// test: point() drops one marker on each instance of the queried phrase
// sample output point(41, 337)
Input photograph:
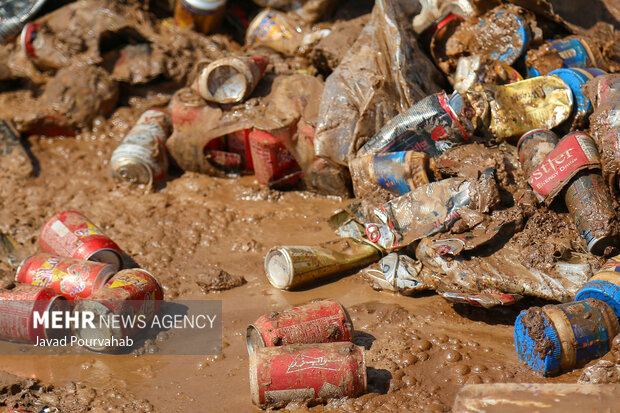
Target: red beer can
point(17, 308)
point(306, 372)
point(318, 322)
point(69, 277)
point(274, 165)
point(71, 234)
point(133, 293)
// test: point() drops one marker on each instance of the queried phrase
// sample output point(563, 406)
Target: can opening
point(254, 340)
point(279, 269)
point(108, 256)
point(226, 84)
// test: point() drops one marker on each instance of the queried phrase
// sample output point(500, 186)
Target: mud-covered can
point(142, 157)
point(274, 164)
point(513, 36)
point(560, 337)
point(576, 80)
point(13, 15)
point(133, 293)
point(185, 107)
point(431, 126)
point(71, 234)
point(230, 79)
point(573, 51)
point(275, 30)
point(17, 311)
point(321, 321)
point(604, 285)
point(70, 277)
point(534, 146)
point(292, 266)
point(239, 142)
point(204, 16)
point(306, 372)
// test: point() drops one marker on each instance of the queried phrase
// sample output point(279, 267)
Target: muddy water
point(421, 350)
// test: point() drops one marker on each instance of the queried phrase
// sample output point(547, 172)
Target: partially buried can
point(570, 52)
point(133, 295)
point(71, 234)
point(204, 16)
point(289, 267)
point(17, 311)
point(69, 277)
point(230, 79)
point(239, 142)
point(604, 285)
point(142, 157)
point(321, 321)
point(306, 372)
point(274, 165)
point(576, 80)
point(534, 146)
point(560, 337)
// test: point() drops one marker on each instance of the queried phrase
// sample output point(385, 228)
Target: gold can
point(204, 16)
point(290, 267)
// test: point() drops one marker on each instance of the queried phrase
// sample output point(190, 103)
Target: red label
point(575, 152)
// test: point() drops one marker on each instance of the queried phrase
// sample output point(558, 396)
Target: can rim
point(248, 338)
point(119, 258)
point(283, 282)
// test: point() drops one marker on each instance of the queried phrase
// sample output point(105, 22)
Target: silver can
point(14, 14)
point(142, 157)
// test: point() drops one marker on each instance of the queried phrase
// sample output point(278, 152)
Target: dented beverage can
point(293, 266)
point(323, 321)
point(510, 44)
point(129, 293)
point(604, 285)
point(576, 80)
point(69, 277)
point(573, 52)
point(534, 146)
point(560, 337)
point(396, 172)
point(71, 234)
point(431, 126)
point(204, 16)
point(185, 107)
point(306, 372)
point(230, 79)
point(17, 311)
point(274, 165)
point(142, 157)
point(274, 30)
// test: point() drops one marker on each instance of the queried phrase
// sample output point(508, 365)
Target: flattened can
point(289, 267)
point(534, 146)
point(142, 157)
point(71, 234)
point(274, 165)
point(396, 172)
point(560, 337)
point(230, 79)
point(604, 285)
point(306, 372)
point(69, 277)
point(321, 321)
point(129, 293)
point(17, 309)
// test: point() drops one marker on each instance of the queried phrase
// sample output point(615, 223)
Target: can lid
point(529, 349)
point(253, 339)
point(132, 170)
point(602, 290)
point(279, 268)
point(96, 338)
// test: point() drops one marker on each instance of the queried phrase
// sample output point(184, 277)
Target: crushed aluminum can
point(323, 321)
point(399, 273)
point(142, 157)
point(540, 102)
point(348, 222)
point(204, 16)
point(71, 234)
point(431, 126)
point(570, 52)
point(274, 165)
point(582, 106)
point(293, 266)
point(239, 143)
point(13, 155)
point(427, 210)
point(560, 337)
point(14, 14)
point(275, 30)
point(484, 300)
point(69, 277)
point(129, 293)
point(475, 70)
point(396, 172)
point(230, 79)
point(17, 308)
point(604, 285)
point(381, 235)
point(586, 196)
point(306, 372)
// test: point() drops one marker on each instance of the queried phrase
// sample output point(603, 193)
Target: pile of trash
point(479, 140)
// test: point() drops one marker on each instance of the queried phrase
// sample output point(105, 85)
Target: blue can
point(574, 52)
point(576, 80)
point(520, 36)
point(604, 285)
point(557, 338)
